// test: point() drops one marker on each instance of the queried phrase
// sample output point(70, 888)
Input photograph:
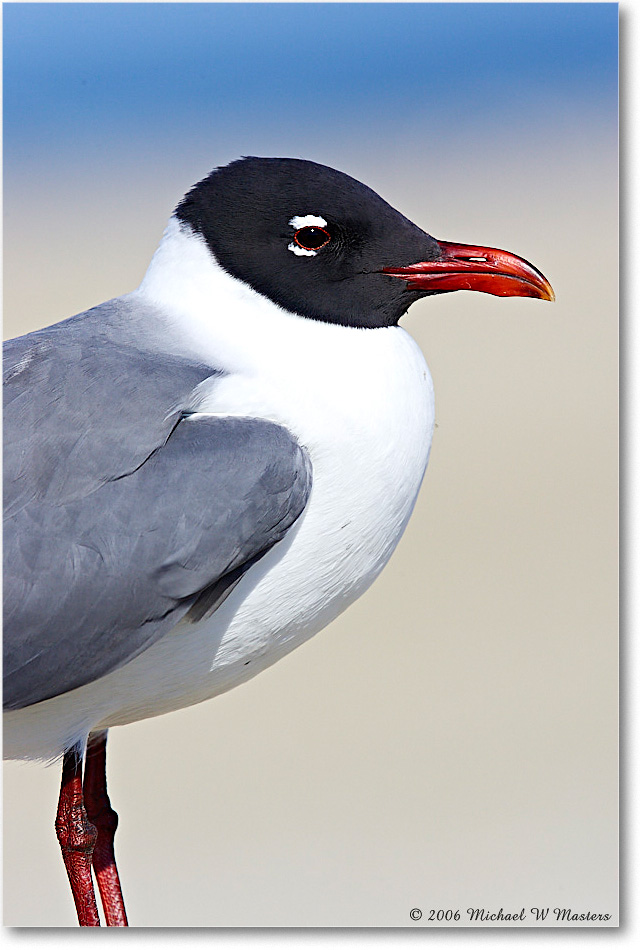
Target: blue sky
point(91, 75)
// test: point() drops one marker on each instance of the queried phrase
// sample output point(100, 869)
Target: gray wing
point(83, 404)
point(99, 567)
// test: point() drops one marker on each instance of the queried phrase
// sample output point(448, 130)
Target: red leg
point(77, 837)
point(103, 816)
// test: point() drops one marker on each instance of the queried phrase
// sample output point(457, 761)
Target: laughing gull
point(203, 473)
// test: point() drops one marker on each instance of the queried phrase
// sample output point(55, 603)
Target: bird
point(203, 473)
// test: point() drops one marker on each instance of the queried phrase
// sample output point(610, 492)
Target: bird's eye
point(311, 238)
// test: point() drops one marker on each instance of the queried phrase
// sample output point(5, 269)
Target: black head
point(322, 245)
point(312, 239)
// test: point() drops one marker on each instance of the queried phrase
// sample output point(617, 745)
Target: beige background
point(451, 741)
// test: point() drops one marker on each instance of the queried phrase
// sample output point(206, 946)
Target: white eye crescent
point(301, 251)
point(308, 221)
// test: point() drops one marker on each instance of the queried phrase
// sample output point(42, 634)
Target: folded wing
point(103, 558)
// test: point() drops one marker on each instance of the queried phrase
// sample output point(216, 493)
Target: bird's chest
point(367, 425)
point(368, 430)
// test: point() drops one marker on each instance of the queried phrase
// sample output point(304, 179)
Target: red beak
point(468, 267)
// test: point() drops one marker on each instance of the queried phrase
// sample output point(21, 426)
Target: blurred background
point(451, 741)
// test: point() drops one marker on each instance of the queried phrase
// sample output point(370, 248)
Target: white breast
point(361, 402)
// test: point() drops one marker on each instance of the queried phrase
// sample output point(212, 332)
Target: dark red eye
point(311, 239)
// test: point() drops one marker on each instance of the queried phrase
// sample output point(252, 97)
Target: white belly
point(367, 423)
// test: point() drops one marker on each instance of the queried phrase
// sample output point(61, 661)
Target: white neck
point(320, 379)
point(223, 319)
